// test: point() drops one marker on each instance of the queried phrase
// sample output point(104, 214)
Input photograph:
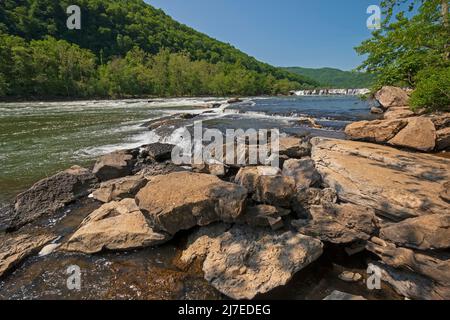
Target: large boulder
point(14, 248)
point(51, 194)
point(443, 139)
point(248, 176)
point(264, 216)
point(182, 200)
point(379, 131)
point(114, 226)
point(157, 151)
point(242, 262)
point(121, 188)
point(396, 183)
point(304, 199)
point(294, 147)
point(389, 96)
point(303, 171)
point(419, 134)
point(115, 165)
point(423, 233)
point(344, 223)
point(275, 190)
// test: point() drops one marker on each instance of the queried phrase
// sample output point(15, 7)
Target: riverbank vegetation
point(122, 49)
point(412, 49)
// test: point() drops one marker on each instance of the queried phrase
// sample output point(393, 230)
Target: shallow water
point(38, 139)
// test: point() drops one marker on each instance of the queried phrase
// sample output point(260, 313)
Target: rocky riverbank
point(240, 232)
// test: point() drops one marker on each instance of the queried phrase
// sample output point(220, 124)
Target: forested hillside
point(124, 48)
point(335, 78)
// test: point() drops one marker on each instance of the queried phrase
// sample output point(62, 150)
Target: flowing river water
point(38, 139)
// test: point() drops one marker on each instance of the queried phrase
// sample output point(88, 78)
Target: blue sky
point(307, 33)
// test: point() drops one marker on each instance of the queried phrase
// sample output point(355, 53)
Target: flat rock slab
point(344, 223)
point(51, 194)
point(182, 200)
point(242, 262)
point(397, 184)
point(16, 247)
point(339, 295)
point(119, 189)
point(424, 233)
point(114, 226)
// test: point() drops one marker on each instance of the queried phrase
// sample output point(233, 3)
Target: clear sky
point(307, 33)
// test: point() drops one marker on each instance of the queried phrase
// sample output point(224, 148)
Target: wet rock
point(443, 139)
point(419, 134)
point(304, 199)
point(248, 176)
point(349, 276)
point(309, 122)
point(234, 100)
point(243, 262)
point(115, 165)
point(182, 200)
point(338, 295)
point(303, 171)
point(157, 151)
point(118, 189)
point(275, 190)
point(376, 110)
point(344, 223)
point(51, 194)
point(423, 233)
point(409, 284)
point(379, 131)
point(397, 184)
point(390, 96)
point(398, 113)
point(294, 147)
point(14, 248)
point(114, 226)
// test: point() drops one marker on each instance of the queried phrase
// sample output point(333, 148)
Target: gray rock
point(157, 151)
point(115, 165)
point(303, 171)
point(338, 295)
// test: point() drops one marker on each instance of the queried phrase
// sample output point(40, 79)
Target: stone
point(349, 276)
point(49, 249)
point(115, 165)
point(243, 262)
point(390, 96)
point(409, 284)
point(376, 110)
point(49, 195)
point(338, 223)
point(440, 120)
point(397, 184)
point(159, 168)
point(264, 216)
point(158, 151)
point(419, 134)
point(338, 295)
point(433, 266)
point(120, 188)
point(443, 139)
point(234, 100)
point(398, 113)
point(14, 248)
point(182, 200)
point(294, 147)
point(114, 226)
point(445, 192)
point(303, 171)
point(248, 176)
point(304, 199)
point(379, 131)
point(427, 232)
point(274, 190)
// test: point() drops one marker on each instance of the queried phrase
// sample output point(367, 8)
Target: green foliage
point(335, 78)
point(123, 48)
point(413, 44)
point(432, 90)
